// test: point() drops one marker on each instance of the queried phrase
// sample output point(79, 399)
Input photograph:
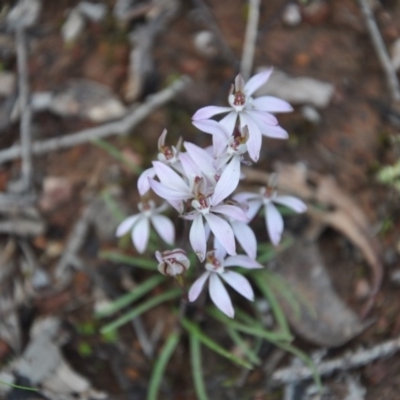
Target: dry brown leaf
point(320, 317)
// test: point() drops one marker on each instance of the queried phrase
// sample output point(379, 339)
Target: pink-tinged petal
point(197, 286)
point(161, 139)
point(220, 145)
point(292, 202)
point(220, 251)
point(140, 235)
point(164, 227)
point(246, 238)
point(229, 122)
point(197, 237)
point(202, 159)
point(223, 232)
point(242, 261)
point(274, 222)
point(227, 182)
point(262, 117)
point(271, 104)
point(161, 209)
point(177, 205)
point(245, 196)
point(239, 83)
point(221, 161)
point(143, 184)
point(167, 193)
point(254, 142)
point(209, 111)
point(220, 296)
point(239, 283)
point(254, 207)
point(190, 216)
point(257, 81)
point(231, 211)
point(190, 169)
point(169, 177)
point(212, 127)
point(275, 132)
point(159, 256)
point(126, 225)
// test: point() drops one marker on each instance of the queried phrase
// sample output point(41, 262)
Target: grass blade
point(161, 363)
point(194, 330)
point(117, 154)
point(268, 252)
point(112, 206)
point(261, 280)
point(244, 347)
point(195, 358)
point(251, 329)
point(149, 304)
point(118, 257)
point(305, 358)
point(12, 385)
point(130, 297)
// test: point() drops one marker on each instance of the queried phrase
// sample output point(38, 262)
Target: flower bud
point(172, 262)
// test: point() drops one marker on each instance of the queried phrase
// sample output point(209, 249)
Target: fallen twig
point(25, 108)
point(250, 39)
point(348, 361)
point(13, 202)
point(381, 51)
point(120, 127)
point(74, 244)
point(22, 227)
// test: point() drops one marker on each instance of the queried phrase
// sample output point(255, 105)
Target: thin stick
point(25, 124)
point(120, 127)
point(381, 51)
point(74, 244)
point(347, 361)
point(250, 39)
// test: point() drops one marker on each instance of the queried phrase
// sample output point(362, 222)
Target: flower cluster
point(198, 184)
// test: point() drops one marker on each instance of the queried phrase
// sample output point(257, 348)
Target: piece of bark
point(320, 317)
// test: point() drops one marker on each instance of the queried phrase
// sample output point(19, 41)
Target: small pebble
point(291, 15)
point(40, 279)
point(73, 26)
point(93, 11)
point(311, 114)
point(206, 44)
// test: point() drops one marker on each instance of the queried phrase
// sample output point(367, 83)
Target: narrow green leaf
point(268, 252)
point(194, 330)
point(250, 329)
point(130, 297)
point(138, 262)
point(245, 347)
point(149, 304)
point(284, 290)
point(160, 365)
point(117, 154)
point(18, 386)
point(261, 280)
point(305, 358)
point(197, 370)
point(112, 206)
